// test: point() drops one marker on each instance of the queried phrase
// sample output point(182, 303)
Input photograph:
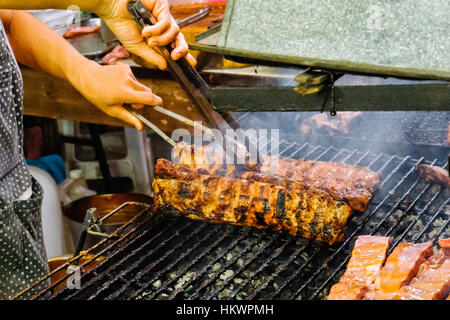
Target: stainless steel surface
point(204, 12)
point(107, 35)
point(93, 45)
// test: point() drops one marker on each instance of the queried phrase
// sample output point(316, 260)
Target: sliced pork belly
point(433, 279)
point(368, 256)
point(400, 268)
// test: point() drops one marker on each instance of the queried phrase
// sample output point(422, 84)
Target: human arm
point(120, 21)
point(107, 87)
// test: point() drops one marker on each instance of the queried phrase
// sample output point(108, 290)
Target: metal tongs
point(148, 123)
point(192, 83)
point(93, 223)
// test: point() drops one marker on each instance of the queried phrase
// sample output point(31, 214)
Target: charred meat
point(301, 211)
point(352, 184)
point(434, 174)
point(341, 123)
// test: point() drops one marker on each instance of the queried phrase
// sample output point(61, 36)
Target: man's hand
point(143, 43)
point(109, 87)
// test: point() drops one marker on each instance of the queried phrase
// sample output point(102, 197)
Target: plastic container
point(74, 187)
point(57, 237)
point(58, 20)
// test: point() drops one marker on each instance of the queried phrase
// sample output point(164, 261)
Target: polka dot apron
point(22, 253)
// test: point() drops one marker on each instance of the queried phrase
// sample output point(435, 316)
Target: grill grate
point(176, 258)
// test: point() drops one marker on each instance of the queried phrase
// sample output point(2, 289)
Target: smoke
point(416, 132)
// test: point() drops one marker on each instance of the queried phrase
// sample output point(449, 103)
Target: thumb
point(148, 54)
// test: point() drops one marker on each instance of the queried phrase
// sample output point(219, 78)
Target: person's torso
point(14, 176)
point(22, 254)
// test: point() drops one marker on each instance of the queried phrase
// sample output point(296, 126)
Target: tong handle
point(89, 219)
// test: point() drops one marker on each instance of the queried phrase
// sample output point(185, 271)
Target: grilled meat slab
point(118, 53)
point(434, 174)
point(432, 281)
point(411, 272)
point(352, 184)
point(368, 256)
point(343, 182)
point(78, 31)
point(303, 211)
point(400, 267)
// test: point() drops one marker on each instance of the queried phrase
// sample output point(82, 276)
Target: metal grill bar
point(287, 148)
point(205, 268)
point(419, 235)
point(337, 155)
point(275, 254)
point(316, 251)
point(411, 206)
point(418, 216)
point(298, 150)
point(298, 251)
point(397, 204)
point(194, 261)
point(244, 265)
point(349, 238)
point(278, 251)
point(266, 264)
point(177, 260)
point(344, 263)
point(146, 255)
point(112, 267)
point(441, 230)
point(98, 245)
point(225, 266)
point(279, 269)
point(414, 222)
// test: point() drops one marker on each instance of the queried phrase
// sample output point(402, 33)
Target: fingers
point(192, 61)
point(145, 52)
point(181, 48)
point(167, 37)
point(137, 97)
point(140, 95)
point(165, 31)
point(123, 114)
point(149, 4)
point(137, 106)
point(164, 23)
point(160, 10)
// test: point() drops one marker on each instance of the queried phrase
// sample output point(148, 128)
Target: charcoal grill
point(164, 257)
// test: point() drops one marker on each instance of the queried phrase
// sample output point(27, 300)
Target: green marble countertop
point(408, 38)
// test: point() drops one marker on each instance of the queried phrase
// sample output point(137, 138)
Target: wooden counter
point(50, 97)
